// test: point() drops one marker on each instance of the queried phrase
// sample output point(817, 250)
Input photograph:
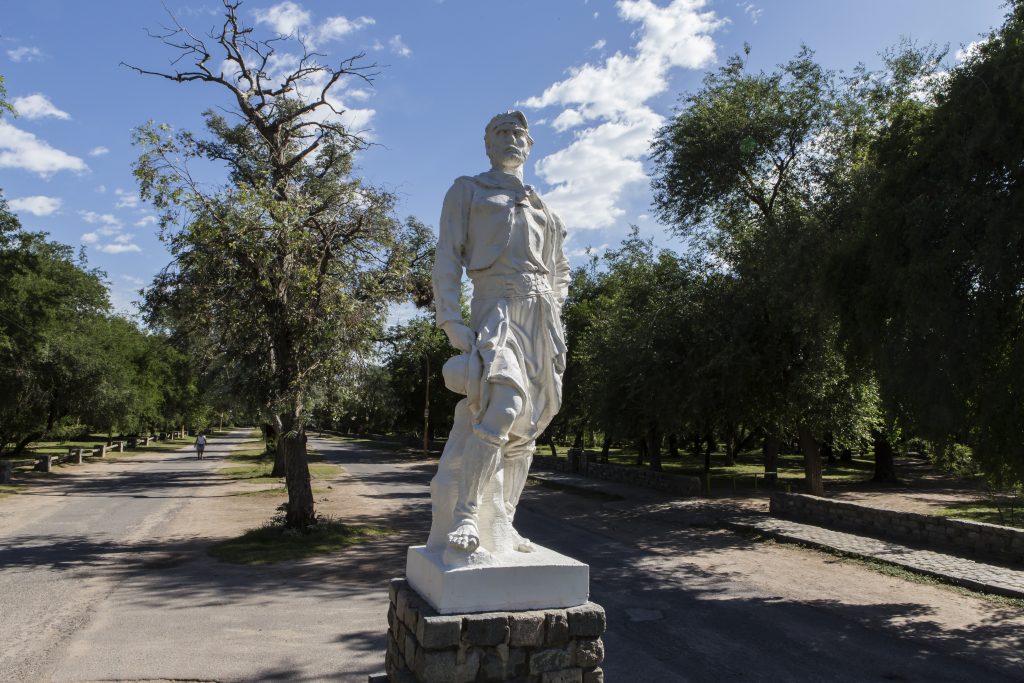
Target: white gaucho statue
point(513, 351)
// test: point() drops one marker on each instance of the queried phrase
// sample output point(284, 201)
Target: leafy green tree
point(931, 271)
point(414, 354)
point(750, 170)
point(290, 262)
point(50, 309)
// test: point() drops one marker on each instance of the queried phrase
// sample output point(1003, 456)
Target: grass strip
point(273, 542)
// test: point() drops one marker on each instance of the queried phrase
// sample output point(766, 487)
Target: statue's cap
point(516, 117)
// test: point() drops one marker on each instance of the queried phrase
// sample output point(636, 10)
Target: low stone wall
point(1004, 544)
point(635, 476)
point(546, 646)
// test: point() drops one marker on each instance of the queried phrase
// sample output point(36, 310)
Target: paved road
point(103, 576)
point(64, 546)
point(685, 602)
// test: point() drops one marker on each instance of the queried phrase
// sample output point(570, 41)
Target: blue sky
point(595, 78)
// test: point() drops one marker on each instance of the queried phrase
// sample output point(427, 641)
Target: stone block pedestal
point(543, 646)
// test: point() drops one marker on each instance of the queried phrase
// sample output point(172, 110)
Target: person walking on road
point(200, 444)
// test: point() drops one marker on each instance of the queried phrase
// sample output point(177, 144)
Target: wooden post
point(100, 449)
point(45, 464)
point(6, 472)
point(75, 455)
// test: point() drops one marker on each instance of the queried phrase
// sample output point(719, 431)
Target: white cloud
point(145, 221)
point(285, 18)
point(25, 54)
point(292, 19)
point(399, 47)
point(969, 50)
point(599, 45)
point(125, 199)
point(109, 220)
point(118, 248)
point(569, 118)
point(359, 94)
point(37, 205)
point(336, 27)
point(751, 10)
point(131, 279)
point(20, 149)
point(38, 106)
point(586, 252)
point(605, 158)
point(377, 46)
point(119, 242)
point(101, 189)
point(98, 152)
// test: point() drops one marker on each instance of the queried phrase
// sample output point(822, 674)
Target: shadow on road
point(669, 618)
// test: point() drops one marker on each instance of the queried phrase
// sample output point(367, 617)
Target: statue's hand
point(460, 336)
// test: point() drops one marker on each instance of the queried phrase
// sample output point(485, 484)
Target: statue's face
point(508, 145)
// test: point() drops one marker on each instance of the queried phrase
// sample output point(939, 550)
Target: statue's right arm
point(449, 255)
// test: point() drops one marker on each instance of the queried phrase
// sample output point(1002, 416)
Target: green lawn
point(741, 475)
point(24, 471)
point(274, 543)
point(986, 510)
point(255, 465)
point(61, 447)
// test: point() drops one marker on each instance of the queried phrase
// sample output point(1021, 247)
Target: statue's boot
point(480, 457)
point(517, 468)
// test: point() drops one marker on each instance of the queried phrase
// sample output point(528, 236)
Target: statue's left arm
point(561, 279)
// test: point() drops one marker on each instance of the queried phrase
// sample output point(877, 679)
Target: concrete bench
point(44, 463)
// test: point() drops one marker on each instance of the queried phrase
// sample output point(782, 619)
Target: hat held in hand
point(462, 374)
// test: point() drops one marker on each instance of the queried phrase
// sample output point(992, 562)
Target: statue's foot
point(466, 537)
point(521, 544)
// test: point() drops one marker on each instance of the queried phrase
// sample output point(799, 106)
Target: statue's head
point(507, 139)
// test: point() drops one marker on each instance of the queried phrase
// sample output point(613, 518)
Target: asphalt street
point(104, 576)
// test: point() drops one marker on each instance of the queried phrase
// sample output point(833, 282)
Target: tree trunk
point(828, 451)
point(730, 445)
point(812, 462)
point(280, 453)
point(654, 447)
point(673, 446)
point(21, 445)
point(577, 441)
point(846, 455)
point(885, 463)
point(770, 450)
point(300, 512)
point(605, 447)
point(709, 439)
point(641, 451)
point(548, 438)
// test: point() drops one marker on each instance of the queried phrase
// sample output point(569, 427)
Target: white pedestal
point(516, 581)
